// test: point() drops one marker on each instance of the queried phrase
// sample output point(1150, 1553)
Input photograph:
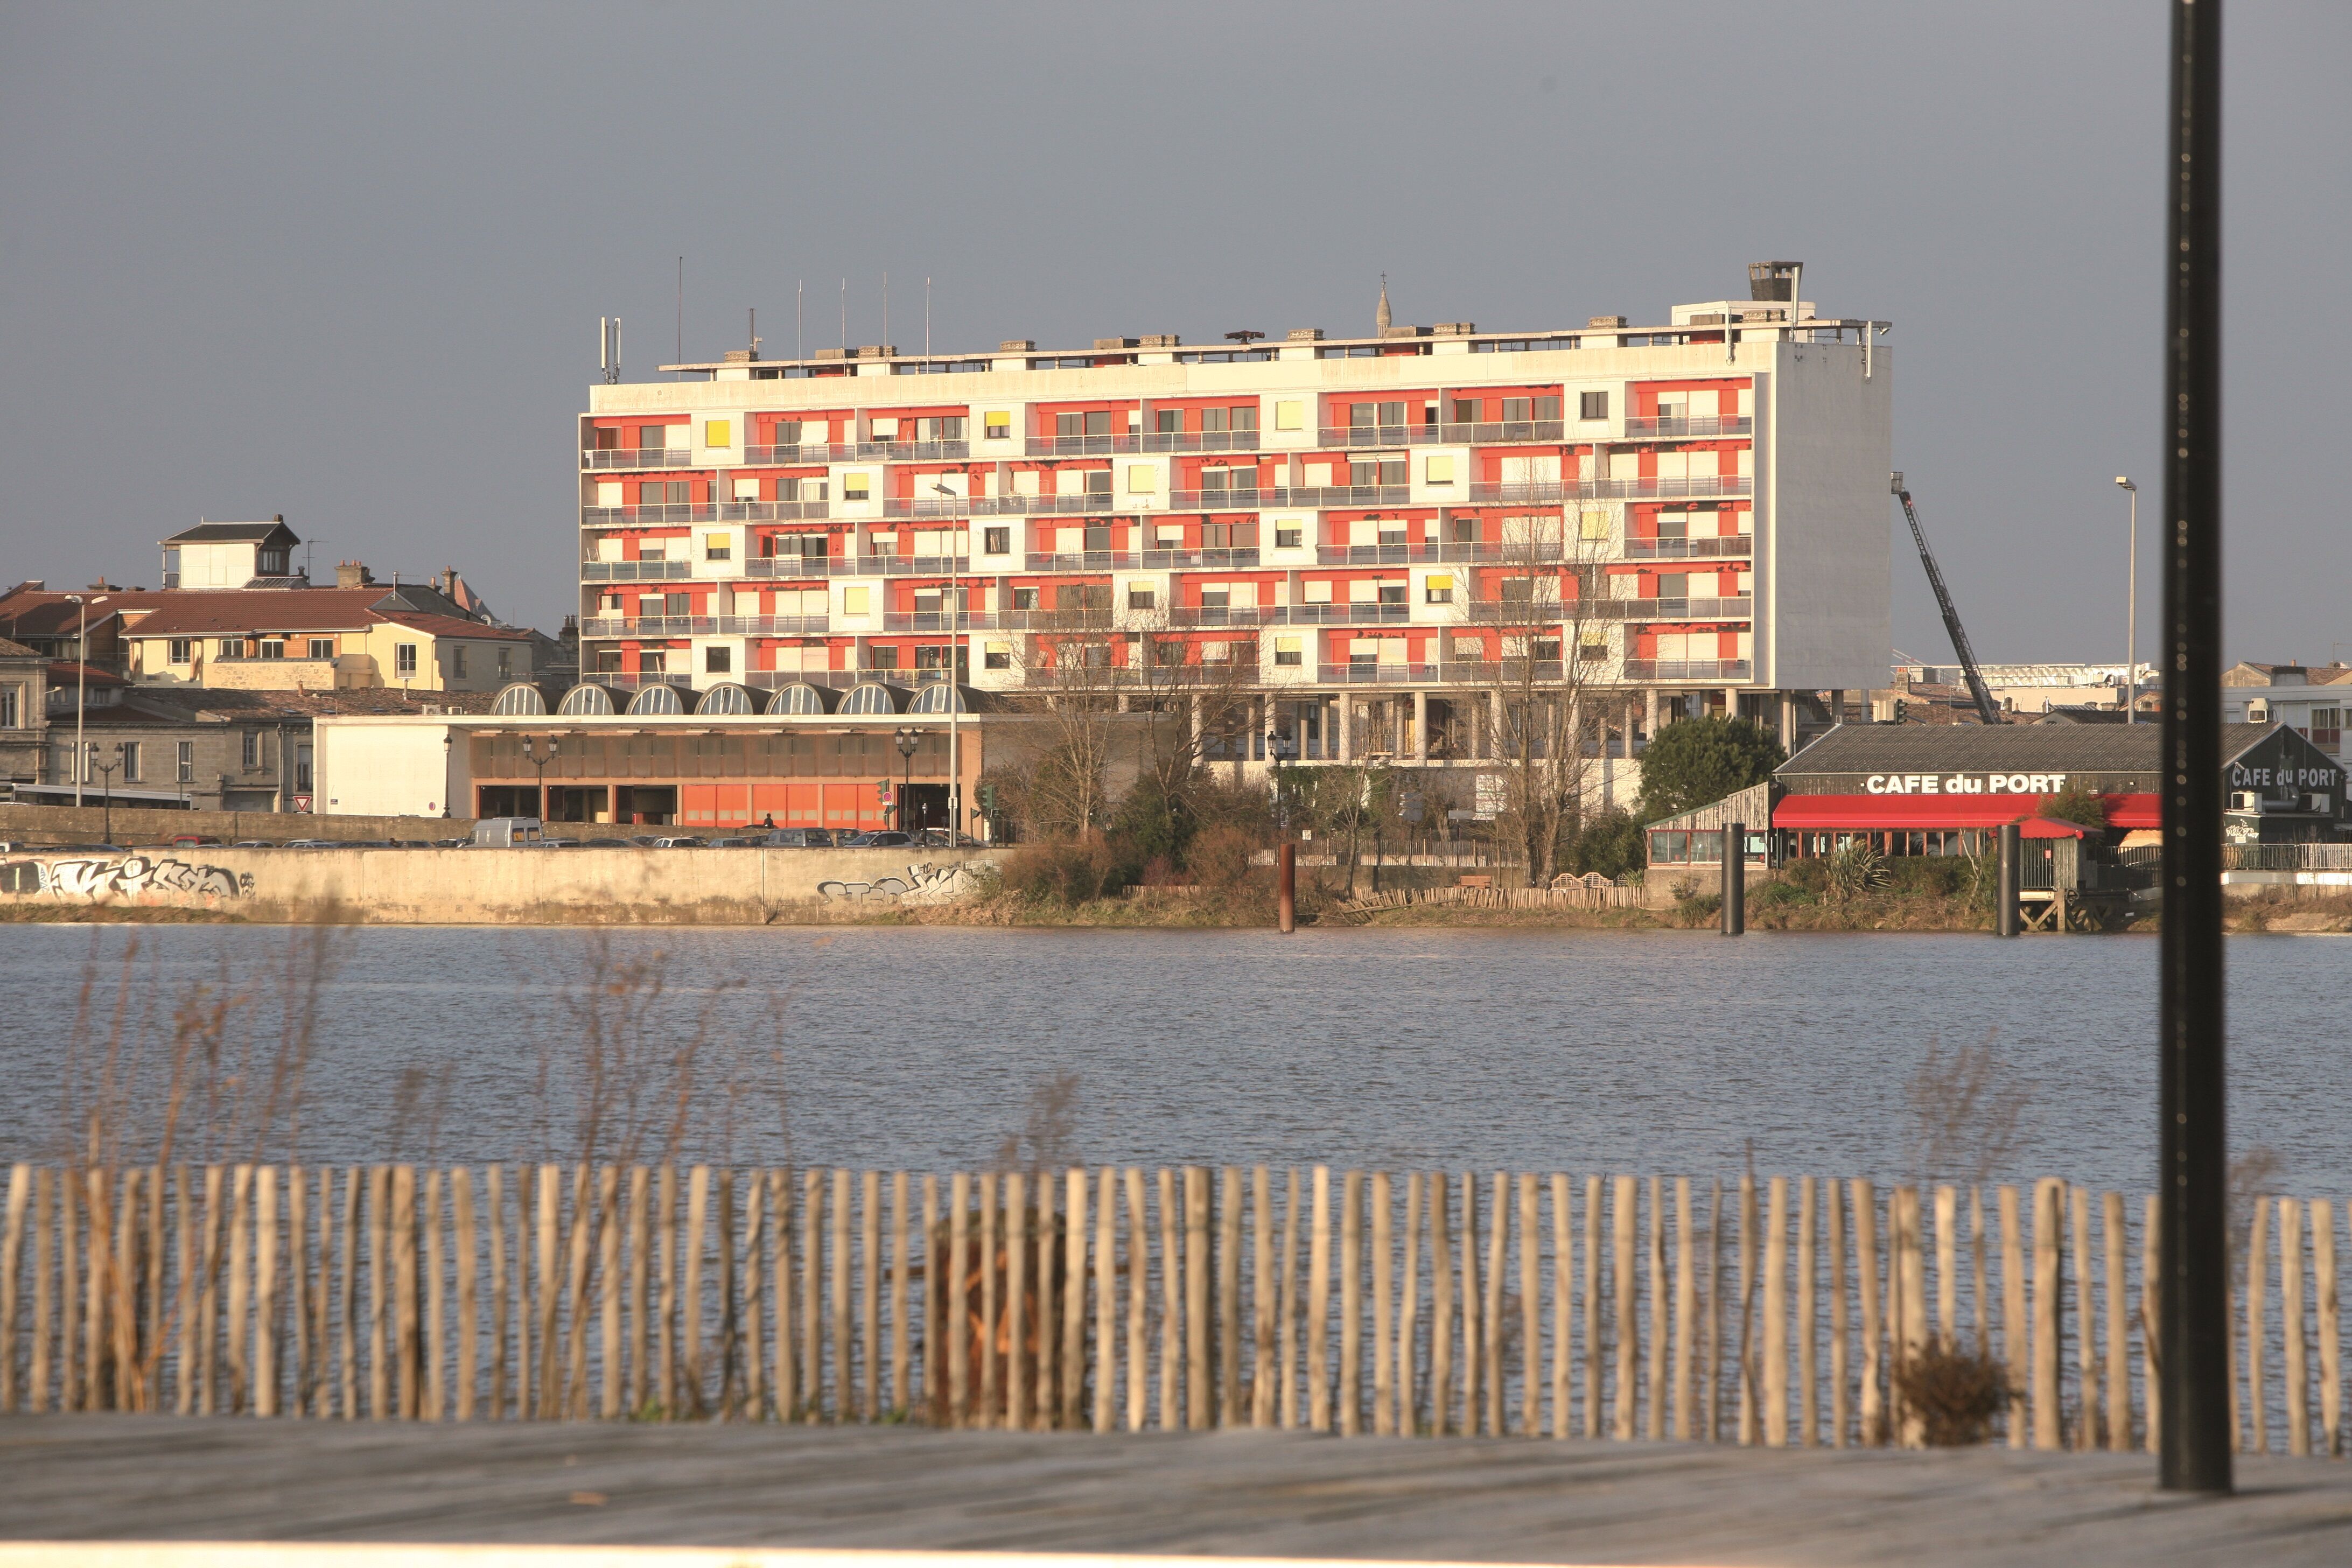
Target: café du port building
point(1921, 789)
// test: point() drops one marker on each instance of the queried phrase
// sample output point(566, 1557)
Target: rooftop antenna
point(755, 332)
point(845, 313)
point(1246, 336)
point(611, 347)
point(1380, 317)
point(681, 311)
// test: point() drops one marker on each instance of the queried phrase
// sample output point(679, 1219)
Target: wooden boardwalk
point(1229, 1494)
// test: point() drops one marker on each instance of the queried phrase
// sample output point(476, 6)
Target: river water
point(923, 1048)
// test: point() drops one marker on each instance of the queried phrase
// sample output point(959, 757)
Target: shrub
point(1070, 872)
point(1220, 857)
point(1609, 842)
point(1697, 761)
point(1956, 1394)
point(2075, 804)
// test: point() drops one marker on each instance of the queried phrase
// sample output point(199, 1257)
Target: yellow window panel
point(718, 432)
point(1440, 471)
point(1142, 479)
point(852, 601)
point(1596, 525)
point(1289, 415)
point(1442, 582)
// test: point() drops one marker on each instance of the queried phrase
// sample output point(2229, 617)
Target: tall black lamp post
point(532, 754)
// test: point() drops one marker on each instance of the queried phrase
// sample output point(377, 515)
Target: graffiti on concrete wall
point(919, 885)
point(95, 877)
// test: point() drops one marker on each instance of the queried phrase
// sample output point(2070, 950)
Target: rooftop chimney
point(1774, 279)
point(352, 574)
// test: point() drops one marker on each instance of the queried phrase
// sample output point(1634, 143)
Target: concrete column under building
point(1787, 721)
point(1346, 707)
point(1650, 714)
point(1731, 702)
point(1421, 726)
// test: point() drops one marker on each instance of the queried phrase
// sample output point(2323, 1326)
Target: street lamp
point(531, 754)
point(81, 682)
point(909, 740)
point(2131, 611)
point(106, 772)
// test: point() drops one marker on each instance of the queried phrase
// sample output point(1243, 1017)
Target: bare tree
point(1537, 617)
point(1968, 1110)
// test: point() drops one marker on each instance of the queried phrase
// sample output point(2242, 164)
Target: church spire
point(1381, 318)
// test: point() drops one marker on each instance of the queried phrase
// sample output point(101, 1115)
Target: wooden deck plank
point(1226, 1494)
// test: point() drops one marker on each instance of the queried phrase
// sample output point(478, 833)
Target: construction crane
point(1986, 709)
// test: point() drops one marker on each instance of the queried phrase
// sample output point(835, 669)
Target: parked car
point(320, 844)
point(883, 838)
point(255, 844)
point(610, 844)
point(190, 840)
point(729, 843)
point(681, 841)
point(940, 838)
point(80, 848)
point(798, 838)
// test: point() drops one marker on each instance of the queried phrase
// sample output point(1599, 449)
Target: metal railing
point(1702, 427)
point(608, 458)
point(774, 566)
point(1372, 674)
point(2274, 857)
point(1686, 670)
point(1729, 546)
point(622, 516)
point(1143, 441)
point(858, 451)
point(802, 452)
point(1482, 433)
point(1535, 493)
point(633, 571)
point(1139, 559)
point(703, 625)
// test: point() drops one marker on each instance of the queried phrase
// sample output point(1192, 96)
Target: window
point(1377, 472)
point(1286, 652)
point(506, 662)
point(649, 549)
point(717, 547)
point(1465, 411)
point(1139, 597)
point(1592, 406)
point(1082, 596)
point(651, 435)
point(1548, 409)
point(12, 708)
point(187, 762)
point(129, 751)
point(853, 601)
point(1287, 538)
point(998, 655)
point(997, 426)
point(273, 647)
point(1438, 589)
point(996, 541)
point(1213, 419)
point(1392, 593)
point(1289, 415)
point(184, 650)
point(677, 604)
point(1592, 647)
point(1595, 525)
point(653, 661)
point(665, 492)
point(1098, 480)
point(882, 659)
point(718, 433)
point(404, 660)
point(1142, 479)
point(853, 486)
point(457, 660)
point(1246, 418)
point(947, 427)
point(1519, 410)
point(718, 660)
point(1438, 470)
point(2326, 727)
point(251, 749)
point(232, 647)
point(270, 563)
point(787, 433)
point(1168, 421)
point(322, 648)
point(1229, 536)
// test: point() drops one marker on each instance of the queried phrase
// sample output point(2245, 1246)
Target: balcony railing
point(704, 511)
point(1144, 441)
point(805, 452)
point(633, 571)
point(1730, 546)
point(1139, 559)
point(1100, 501)
point(857, 452)
point(1485, 433)
point(1372, 674)
point(1702, 429)
point(1650, 489)
point(1686, 670)
point(703, 625)
point(1742, 608)
point(636, 457)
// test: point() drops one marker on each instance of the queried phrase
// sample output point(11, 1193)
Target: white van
point(507, 832)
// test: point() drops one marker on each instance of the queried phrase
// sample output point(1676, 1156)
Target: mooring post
point(1286, 907)
point(1735, 877)
point(2005, 914)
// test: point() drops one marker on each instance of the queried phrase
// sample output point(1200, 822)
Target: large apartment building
point(1362, 533)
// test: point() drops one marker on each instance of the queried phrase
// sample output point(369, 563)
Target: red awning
point(1878, 813)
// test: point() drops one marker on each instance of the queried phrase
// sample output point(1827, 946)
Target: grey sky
point(346, 263)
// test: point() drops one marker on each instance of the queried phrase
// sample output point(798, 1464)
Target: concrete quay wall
point(501, 887)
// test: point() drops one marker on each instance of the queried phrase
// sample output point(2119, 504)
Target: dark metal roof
point(1861, 749)
point(268, 532)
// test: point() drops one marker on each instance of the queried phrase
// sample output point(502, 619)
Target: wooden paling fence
point(1785, 1310)
point(1580, 897)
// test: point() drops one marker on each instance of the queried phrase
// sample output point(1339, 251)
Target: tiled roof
point(203, 613)
point(151, 704)
point(451, 625)
point(16, 650)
